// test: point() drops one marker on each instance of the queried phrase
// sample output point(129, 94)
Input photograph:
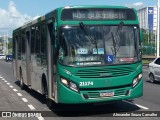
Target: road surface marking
point(31, 107)
point(24, 100)
point(40, 118)
point(11, 86)
point(19, 94)
point(140, 106)
point(8, 83)
point(1, 77)
point(15, 90)
point(5, 81)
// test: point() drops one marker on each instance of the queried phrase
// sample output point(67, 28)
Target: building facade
point(148, 18)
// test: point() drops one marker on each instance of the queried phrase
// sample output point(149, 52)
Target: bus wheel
point(49, 103)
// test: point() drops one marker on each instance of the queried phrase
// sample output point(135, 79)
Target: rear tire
point(152, 79)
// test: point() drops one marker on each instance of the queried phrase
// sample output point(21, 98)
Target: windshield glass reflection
point(98, 45)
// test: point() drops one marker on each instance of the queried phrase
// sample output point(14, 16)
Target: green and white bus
point(81, 54)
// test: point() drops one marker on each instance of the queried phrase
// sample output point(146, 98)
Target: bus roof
point(52, 13)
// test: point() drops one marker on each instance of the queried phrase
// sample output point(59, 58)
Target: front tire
point(48, 101)
point(152, 79)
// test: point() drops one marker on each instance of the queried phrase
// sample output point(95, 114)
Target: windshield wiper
point(114, 45)
point(85, 30)
point(117, 40)
point(120, 26)
point(119, 29)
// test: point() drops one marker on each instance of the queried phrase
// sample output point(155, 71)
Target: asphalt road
point(12, 98)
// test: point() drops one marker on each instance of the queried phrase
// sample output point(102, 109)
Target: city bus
point(81, 54)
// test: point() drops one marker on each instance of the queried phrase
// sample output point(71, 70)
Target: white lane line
point(8, 83)
point(19, 94)
point(24, 100)
point(40, 118)
point(15, 90)
point(5, 81)
point(11, 86)
point(140, 106)
point(1, 77)
point(31, 107)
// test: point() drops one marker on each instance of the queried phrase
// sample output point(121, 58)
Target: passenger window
point(157, 61)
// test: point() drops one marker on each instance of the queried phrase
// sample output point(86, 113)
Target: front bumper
point(67, 96)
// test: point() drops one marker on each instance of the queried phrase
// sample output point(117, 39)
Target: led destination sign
point(98, 14)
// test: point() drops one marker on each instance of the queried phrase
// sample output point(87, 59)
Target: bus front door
point(51, 66)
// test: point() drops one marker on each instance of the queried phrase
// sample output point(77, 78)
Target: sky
point(14, 13)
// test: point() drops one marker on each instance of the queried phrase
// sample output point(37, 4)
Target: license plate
point(106, 94)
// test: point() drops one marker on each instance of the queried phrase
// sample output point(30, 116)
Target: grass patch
point(146, 61)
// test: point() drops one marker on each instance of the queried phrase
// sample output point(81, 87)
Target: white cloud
point(11, 18)
point(136, 5)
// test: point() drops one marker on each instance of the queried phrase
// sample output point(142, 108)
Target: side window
point(23, 42)
point(37, 40)
point(14, 47)
point(43, 45)
point(51, 31)
point(33, 40)
point(157, 61)
point(43, 39)
point(19, 44)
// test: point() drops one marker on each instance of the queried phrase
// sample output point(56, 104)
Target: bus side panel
point(23, 66)
point(15, 57)
point(33, 72)
point(38, 82)
point(15, 72)
point(18, 69)
point(36, 75)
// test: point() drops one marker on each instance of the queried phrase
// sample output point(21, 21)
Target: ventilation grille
point(104, 72)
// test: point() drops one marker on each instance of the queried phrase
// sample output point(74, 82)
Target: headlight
point(140, 76)
point(69, 84)
point(64, 81)
point(136, 80)
point(73, 86)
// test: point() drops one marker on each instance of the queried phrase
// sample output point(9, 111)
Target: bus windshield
point(98, 45)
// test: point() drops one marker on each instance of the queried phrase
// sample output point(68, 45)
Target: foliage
point(148, 42)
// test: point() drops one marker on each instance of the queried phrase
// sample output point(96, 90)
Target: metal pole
point(158, 29)
point(7, 43)
point(155, 42)
point(148, 35)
